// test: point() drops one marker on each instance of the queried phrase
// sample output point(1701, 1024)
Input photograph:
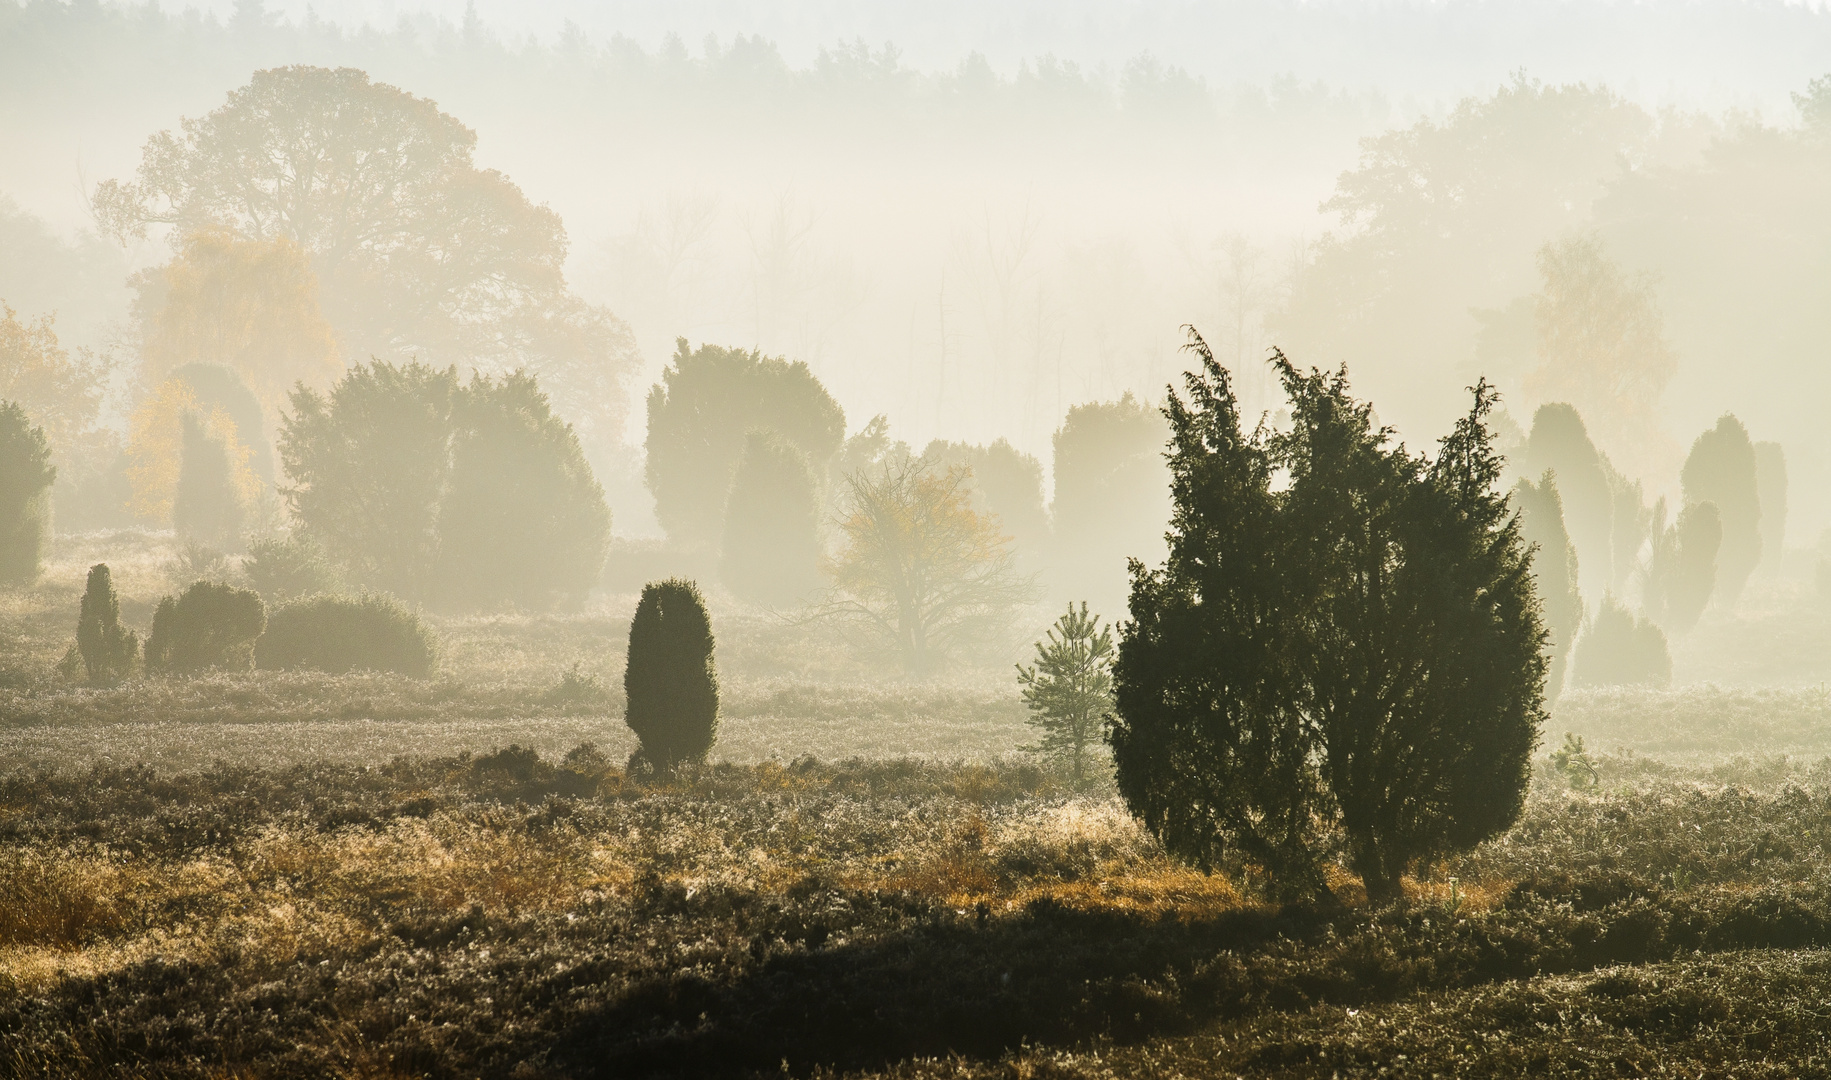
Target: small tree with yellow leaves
point(920, 569)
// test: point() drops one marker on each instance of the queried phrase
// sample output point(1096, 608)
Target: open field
point(297, 875)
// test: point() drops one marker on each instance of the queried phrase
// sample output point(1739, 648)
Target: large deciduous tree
point(418, 252)
point(1358, 654)
point(709, 399)
point(250, 306)
point(1111, 496)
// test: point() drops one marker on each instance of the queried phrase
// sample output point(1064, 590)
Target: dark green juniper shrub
point(348, 633)
point(211, 625)
point(1255, 712)
point(108, 649)
point(670, 682)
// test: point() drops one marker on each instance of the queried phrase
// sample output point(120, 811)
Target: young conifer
point(1070, 687)
point(108, 650)
point(670, 683)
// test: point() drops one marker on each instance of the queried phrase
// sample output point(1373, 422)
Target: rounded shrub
point(348, 633)
point(670, 682)
point(210, 625)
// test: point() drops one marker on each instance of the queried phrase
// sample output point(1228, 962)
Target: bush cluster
point(340, 633)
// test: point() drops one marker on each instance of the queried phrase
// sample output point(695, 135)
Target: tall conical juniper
point(670, 683)
point(107, 648)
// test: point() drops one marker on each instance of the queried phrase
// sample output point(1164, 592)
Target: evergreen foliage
point(1771, 488)
point(1721, 469)
point(1111, 494)
point(214, 386)
point(523, 521)
point(26, 476)
point(1559, 443)
point(1069, 690)
point(1621, 649)
point(210, 625)
point(1683, 569)
point(1006, 483)
point(771, 550)
point(699, 415)
point(670, 683)
point(343, 633)
point(368, 465)
point(1541, 513)
point(108, 649)
point(1255, 682)
point(206, 505)
point(287, 568)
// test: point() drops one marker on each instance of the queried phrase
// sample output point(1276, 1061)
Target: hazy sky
point(1689, 52)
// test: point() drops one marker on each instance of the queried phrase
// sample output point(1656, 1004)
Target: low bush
point(342, 633)
point(287, 568)
point(211, 625)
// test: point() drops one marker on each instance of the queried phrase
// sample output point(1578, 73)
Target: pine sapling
point(1070, 687)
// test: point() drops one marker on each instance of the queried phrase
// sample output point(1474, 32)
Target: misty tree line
point(1619, 579)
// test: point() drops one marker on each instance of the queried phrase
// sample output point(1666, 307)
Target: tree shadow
point(948, 982)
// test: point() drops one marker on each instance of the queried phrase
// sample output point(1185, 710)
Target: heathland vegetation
point(340, 735)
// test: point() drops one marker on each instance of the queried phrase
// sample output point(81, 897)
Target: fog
point(971, 218)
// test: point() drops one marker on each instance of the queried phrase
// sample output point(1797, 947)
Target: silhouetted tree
point(1541, 513)
point(1004, 482)
point(522, 521)
point(1069, 689)
point(1683, 570)
point(26, 476)
point(108, 649)
point(1601, 342)
point(772, 539)
point(348, 633)
point(368, 465)
point(1255, 680)
point(1210, 748)
point(1721, 469)
point(206, 506)
point(210, 625)
point(1111, 495)
point(240, 306)
point(1621, 649)
point(1560, 444)
point(417, 252)
point(920, 568)
point(1413, 575)
point(214, 386)
point(698, 416)
point(670, 681)
point(1771, 489)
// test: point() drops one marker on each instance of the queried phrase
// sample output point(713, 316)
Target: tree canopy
point(1358, 653)
point(417, 251)
point(709, 399)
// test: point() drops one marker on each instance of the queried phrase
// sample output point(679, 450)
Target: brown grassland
point(283, 875)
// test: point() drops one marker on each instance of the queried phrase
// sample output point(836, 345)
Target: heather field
point(294, 875)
